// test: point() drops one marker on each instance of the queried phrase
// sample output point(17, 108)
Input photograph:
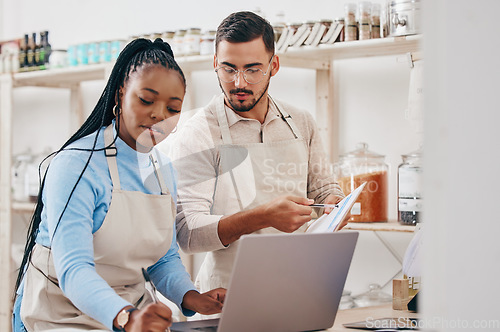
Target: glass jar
point(191, 42)
point(373, 297)
point(20, 177)
point(207, 44)
point(178, 42)
point(410, 188)
point(359, 166)
point(375, 20)
point(364, 20)
point(351, 26)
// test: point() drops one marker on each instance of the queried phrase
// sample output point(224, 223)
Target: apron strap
point(288, 119)
point(159, 176)
point(222, 119)
point(110, 152)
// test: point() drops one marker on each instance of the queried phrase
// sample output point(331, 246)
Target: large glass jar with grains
point(359, 166)
point(410, 188)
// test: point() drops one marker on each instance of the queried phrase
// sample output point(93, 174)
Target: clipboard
point(331, 222)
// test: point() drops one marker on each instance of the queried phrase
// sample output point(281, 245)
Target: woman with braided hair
point(106, 209)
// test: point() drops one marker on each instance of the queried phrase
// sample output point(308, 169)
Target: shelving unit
point(319, 59)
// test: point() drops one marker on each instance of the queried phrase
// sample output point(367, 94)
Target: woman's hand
point(155, 317)
point(207, 303)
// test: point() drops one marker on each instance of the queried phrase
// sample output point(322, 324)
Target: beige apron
point(136, 233)
point(269, 170)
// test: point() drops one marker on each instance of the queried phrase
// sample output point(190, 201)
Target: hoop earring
point(114, 111)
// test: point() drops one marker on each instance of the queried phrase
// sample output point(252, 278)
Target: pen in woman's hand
point(151, 288)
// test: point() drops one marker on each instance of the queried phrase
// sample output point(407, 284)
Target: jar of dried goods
point(410, 188)
point(359, 166)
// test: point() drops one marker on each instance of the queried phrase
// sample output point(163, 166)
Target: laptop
point(283, 282)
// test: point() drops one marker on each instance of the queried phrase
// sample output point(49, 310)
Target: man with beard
point(247, 163)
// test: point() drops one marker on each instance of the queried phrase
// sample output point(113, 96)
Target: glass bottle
point(359, 166)
point(30, 52)
point(410, 188)
point(22, 53)
point(36, 63)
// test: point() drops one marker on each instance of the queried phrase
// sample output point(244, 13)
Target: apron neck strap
point(288, 119)
point(110, 152)
point(220, 112)
point(224, 126)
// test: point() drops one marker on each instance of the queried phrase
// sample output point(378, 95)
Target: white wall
point(462, 165)
point(372, 93)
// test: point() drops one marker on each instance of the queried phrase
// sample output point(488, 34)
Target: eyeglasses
point(251, 75)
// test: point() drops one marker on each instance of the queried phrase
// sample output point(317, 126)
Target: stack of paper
point(331, 222)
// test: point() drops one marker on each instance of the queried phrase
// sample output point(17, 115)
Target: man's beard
point(236, 105)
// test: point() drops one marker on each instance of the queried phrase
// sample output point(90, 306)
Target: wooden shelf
point(390, 226)
point(23, 207)
point(318, 58)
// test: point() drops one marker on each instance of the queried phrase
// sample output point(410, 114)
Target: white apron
point(136, 233)
point(269, 170)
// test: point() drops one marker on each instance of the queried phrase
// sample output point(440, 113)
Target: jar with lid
point(364, 20)
point(373, 297)
point(20, 177)
point(207, 43)
point(168, 36)
point(359, 166)
point(178, 42)
point(351, 26)
point(192, 40)
point(375, 20)
point(410, 188)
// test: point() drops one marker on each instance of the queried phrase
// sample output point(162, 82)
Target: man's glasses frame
point(235, 72)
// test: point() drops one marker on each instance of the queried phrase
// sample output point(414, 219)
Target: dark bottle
point(36, 63)
point(22, 53)
point(30, 53)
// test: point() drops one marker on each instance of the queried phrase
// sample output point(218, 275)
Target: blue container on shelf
point(82, 54)
point(93, 53)
point(104, 51)
point(72, 57)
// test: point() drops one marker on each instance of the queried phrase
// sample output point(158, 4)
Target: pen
point(324, 205)
point(151, 289)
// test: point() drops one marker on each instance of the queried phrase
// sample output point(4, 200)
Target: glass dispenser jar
point(410, 188)
point(359, 166)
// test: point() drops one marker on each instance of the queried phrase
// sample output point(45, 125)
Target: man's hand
point(287, 213)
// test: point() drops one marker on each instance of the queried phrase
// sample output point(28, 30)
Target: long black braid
point(136, 54)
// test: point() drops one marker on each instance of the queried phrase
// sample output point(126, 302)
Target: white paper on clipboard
point(330, 222)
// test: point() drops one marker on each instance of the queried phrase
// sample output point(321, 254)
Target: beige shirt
point(195, 155)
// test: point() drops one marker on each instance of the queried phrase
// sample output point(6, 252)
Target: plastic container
point(359, 166)
point(178, 42)
point(410, 188)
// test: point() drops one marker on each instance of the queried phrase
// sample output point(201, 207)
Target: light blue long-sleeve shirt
point(72, 244)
